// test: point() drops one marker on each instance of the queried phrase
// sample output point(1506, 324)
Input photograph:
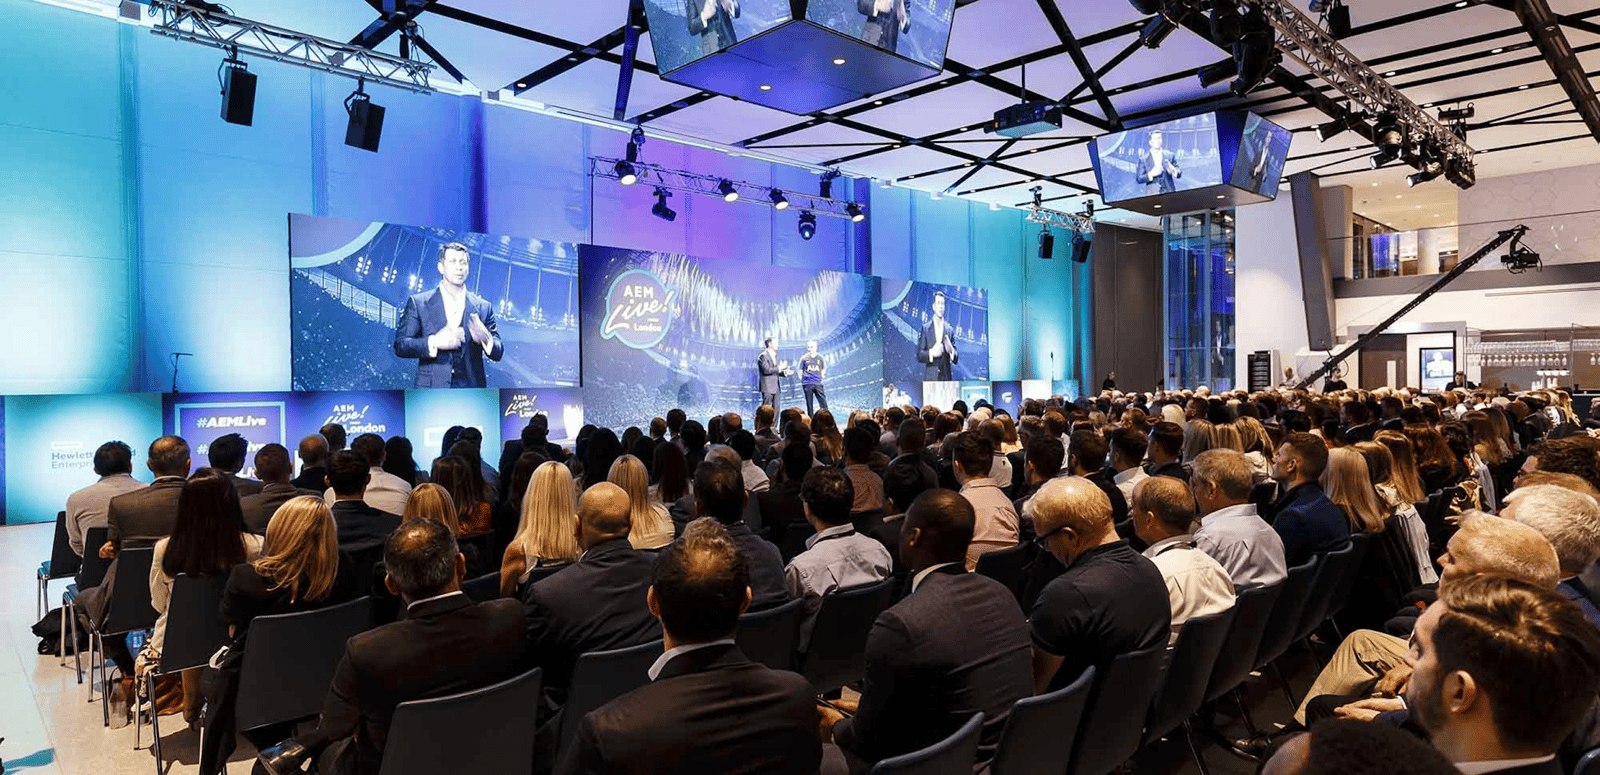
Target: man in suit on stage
point(887, 20)
point(712, 20)
point(449, 329)
point(956, 645)
point(707, 708)
point(771, 369)
point(447, 644)
point(936, 347)
point(1158, 167)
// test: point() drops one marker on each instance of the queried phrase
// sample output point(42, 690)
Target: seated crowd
point(1020, 551)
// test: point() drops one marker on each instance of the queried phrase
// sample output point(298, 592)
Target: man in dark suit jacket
point(446, 645)
point(272, 465)
point(719, 492)
point(770, 369)
point(449, 329)
point(362, 528)
point(226, 454)
point(146, 515)
point(1157, 167)
point(313, 453)
point(708, 708)
point(1305, 519)
point(956, 645)
point(779, 506)
point(936, 347)
point(597, 603)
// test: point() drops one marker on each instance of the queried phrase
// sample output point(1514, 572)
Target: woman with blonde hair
point(1009, 442)
point(1348, 484)
point(1380, 465)
point(546, 534)
point(1197, 438)
point(433, 503)
point(1403, 473)
point(650, 523)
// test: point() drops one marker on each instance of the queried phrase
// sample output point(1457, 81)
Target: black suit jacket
point(1309, 523)
point(1173, 469)
point(362, 527)
point(446, 646)
point(594, 604)
point(767, 368)
point(766, 567)
point(778, 507)
point(710, 710)
point(423, 317)
point(938, 368)
point(259, 508)
point(245, 486)
point(956, 646)
point(312, 478)
point(145, 515)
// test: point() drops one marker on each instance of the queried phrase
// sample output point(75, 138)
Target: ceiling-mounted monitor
point(1212, 160)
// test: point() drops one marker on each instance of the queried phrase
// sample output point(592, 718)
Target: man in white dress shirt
point(86, 508)
point(837, 557)
point(1163, 516)
point(385, 492)
point(1231, 531)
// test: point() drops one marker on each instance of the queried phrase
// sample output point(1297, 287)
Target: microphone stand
point(175, 357)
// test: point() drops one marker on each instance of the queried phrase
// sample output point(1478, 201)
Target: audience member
point(997, 523)
point(719, 493)
point(1570, 521)
point(456, 475)
point(226, 454)
point(707, 707)
point(400, 461)
point(545, 535)
point(1127, 447)
point(911, 444)
point(1335, 747)
point(1086, 457)
point(836, 557)
point(362, 528)
point(334, 434)
point(273, 467)
point(1163, 517)
point(313, 453)
point(1305, 519)
point(651, 526)
point(1347, 483)
point(1166, 450)
point(780, 506)
point(1109, 601)
point(860, 444)
point(1043, 459)
point(146, 515)
point(86, 508)
point(385, 491)
point(1231, 531)
point(673, 487)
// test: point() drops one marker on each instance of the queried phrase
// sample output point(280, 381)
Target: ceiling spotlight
point(1217, 72)
point(627, 173)
point(1389, 135)
point(1255, 54)
point(661, 210)
point(1328, 131)
point(854, 211)
point(238, 91)
point(779, 201)
point(1415, 179)
point(1080, 248)
point(838, 60)
point(1047, 244)
point(728, 192)
point(1155, 31)
point(766, 87)
point(1227, 24)
point(365, 126)
point(807, 225)
point(1147, 7)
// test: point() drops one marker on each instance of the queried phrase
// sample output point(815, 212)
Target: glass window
point(1199, 314)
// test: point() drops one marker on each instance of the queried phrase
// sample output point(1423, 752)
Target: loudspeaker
point(366, 125)
point(238, 96)
point(1047, 245)
point(1080, 248)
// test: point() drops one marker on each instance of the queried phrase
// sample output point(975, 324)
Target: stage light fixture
point(1148, 7)
point(1379, 159)
point(238, 90)
point(1217, 72)
point(661, 210)
point(1339, 20)
point(1227, 24)
point(854, 211)
point(807, 225)
point(1047, 244)
point(1332, 129)
point(1080, 248)
point(779, 201)
point(1255, 53)
point(627, 173)
point(1389, 135)
point(728, 192)
point(364, 129)
point(1156, 31)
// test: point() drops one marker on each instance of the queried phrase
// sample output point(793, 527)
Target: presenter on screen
point(1158, 167)
point(936, 348)
point(712, 20)
point(812, 370)
point(771, 369)
point(887, 20)
point(449, 329)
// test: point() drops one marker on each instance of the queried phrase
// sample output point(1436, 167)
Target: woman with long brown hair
point(825, 434)
point(1436, 467)
point(472, 511)
point(1380, 466)
point(1403, 473)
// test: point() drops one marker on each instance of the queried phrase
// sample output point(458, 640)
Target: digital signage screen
point(684, 31)
point(918, 30)
point(1164, 158)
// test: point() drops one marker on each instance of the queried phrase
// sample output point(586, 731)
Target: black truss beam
point(1544, 27)
point(1058, 23)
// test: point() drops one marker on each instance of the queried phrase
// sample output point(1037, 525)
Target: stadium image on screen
point(682, 31)
point(664, 331)
point(377, 306)
point(1262, 154)
point(915, 29)
point(934, 333)
point(1159, 159)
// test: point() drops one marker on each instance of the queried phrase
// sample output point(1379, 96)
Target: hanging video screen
point(1179, 155)
point(683, 31)
point(915, 29)
point(664, 331)
point(1262, 154)
point(378, 306)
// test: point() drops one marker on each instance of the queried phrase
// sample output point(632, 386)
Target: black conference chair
point(953, 755)
point(482, 588)
point(488, 731)
point(600, 677)
point(1008, 566)
point(90, 575)
point(1285, 619)
point(1039, 731)
point(793, 540)
point(1189, 669)
point(1251, 610)
point(127, 610)
point(195, 631)
point(1589, 764)
point(837, 653)
point(770, 636)
point(1362, 543)
point(1335, 565)
point(1114, 717)
point(290, 660)
point(63, 562)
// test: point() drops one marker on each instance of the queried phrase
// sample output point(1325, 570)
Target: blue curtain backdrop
point(138, 223)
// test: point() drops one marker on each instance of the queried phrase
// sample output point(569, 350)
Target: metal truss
point(231, 33)
point(656, 176)
point(1329, 60)
point(1060, 220)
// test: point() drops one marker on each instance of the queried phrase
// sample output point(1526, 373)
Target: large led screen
point(915, 29)
point(377, 306)
point(1262, 154)
point(277, 418)
point(934, 333)
point(682, 31)
point(663, 331)
point(1179, 155)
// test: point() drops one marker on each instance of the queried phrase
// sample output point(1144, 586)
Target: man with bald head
point(1163, 518)
point(594, 604)
point(1110, 600)
point(956, 645)
point(313, 453)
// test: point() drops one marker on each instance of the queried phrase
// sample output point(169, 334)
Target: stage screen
point(1438, 367)
point(277, 418)
point(352, 284)
point(1262, 154)
point(1178, 155)
point(663, 331)
point(1008, 396)
point(682, 31)
point(562, 407)
point(911, 349)
point(915, 29)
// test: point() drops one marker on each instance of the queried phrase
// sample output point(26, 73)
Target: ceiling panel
point(582, 22)
point(591, 88)
point(720, 119)
point(965, 104)
point(488, 59)
point(996, 30)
